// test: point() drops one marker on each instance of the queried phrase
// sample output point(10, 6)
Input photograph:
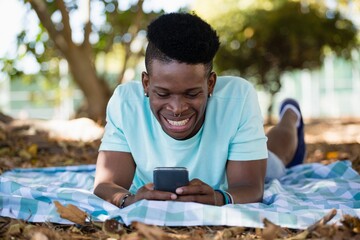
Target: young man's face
point(178, 95)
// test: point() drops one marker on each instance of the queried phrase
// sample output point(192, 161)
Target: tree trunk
point(95, 89)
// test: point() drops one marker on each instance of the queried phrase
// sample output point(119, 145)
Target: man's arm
point(246, 180)
point(114, 175)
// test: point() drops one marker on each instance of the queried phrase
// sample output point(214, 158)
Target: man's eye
point(192, 95)
point(162, 94)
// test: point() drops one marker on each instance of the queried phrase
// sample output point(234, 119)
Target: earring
point(146, 94)
point(210, 94)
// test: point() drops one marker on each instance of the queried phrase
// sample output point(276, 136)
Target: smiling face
point(178, 95)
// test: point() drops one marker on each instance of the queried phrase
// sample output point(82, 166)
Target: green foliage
point(120, 27)
point(261, 44)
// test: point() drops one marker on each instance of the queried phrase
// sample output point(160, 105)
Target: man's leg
point(286, 139)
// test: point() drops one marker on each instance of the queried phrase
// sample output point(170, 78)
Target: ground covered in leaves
point(39, 143)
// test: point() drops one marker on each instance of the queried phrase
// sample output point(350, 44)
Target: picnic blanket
point(304, 195)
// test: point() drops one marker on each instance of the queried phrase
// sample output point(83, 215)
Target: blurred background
point(61, 59)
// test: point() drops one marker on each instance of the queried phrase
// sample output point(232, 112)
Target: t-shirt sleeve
point(114, 138)
point(249, 142)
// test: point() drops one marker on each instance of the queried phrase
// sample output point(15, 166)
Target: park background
point(308, 50)
point(35, 81)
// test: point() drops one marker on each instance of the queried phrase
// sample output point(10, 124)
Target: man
point(184, 115)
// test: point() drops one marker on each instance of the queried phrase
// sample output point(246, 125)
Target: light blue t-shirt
point(232, 130)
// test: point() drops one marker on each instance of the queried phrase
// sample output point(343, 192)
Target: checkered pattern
point(305, 194)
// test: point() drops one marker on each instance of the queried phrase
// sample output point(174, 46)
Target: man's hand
point(147, 192)
point(198, 191)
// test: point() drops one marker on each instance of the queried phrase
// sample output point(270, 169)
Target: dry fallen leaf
point(332, 155)
point(330, 215)
point(43, 233)
point(24, 154)
point(132, 236)
point(33, 150)
point(300, 236)
point(5, 151)
point(71, 213)
point(352, 223)
point(272, 231)
point(113, 228)
point(150, 232)
point(2, 136)
point(15, 229)
point(39, 236)
point(229, 233)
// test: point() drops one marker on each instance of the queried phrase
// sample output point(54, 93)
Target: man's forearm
point(110, 192)
point(247, 194)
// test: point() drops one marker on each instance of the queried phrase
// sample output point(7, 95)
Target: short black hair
point(183, 37)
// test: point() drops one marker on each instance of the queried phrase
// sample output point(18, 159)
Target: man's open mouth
point(178, 123)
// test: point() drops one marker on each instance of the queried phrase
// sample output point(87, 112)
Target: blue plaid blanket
point(304, 195)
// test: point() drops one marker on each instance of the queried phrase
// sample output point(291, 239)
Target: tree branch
point(124, 64)
point(65, 21)
point(133, 30)
point(87, 30)
point(110, 41)
point(41, 10)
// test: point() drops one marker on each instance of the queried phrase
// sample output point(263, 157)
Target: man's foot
point(299, 155)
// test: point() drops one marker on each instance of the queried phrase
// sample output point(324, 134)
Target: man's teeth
point(178, 123)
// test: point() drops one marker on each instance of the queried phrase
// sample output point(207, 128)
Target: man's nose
point(177, 105)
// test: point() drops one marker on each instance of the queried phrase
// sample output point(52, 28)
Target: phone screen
point(168, 179)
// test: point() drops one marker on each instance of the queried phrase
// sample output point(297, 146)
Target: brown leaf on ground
point(43, 233)
point(150, 232)
point(300, 236)
point(193, 233)
point(273, 231)
point(323, 221)
point(113, 228)
point(351, 223)
point(71, 213)
point(319, 230)
point(17, 229)
point(229, 233)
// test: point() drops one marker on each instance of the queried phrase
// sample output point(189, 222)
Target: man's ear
point(211, 82)
point(145, 81)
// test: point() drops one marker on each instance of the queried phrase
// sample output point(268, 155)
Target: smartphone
point(168, 179)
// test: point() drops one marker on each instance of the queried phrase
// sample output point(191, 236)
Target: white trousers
point(275, 167)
